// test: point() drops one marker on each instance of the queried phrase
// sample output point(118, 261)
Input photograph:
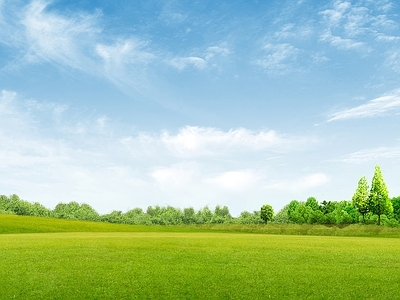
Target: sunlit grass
point(43, 258)
point(171, 265)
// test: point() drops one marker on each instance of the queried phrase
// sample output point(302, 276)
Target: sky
point(124, 104)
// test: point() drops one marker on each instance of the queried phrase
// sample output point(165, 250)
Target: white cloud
point(62, 40)
point(181, 63)
point(376, 107)
point(387, 38)
point(303, 183)
point(334, 16)
point(74, 41)
point(279, 58)
point(195, 141)
point(124, 62)
point(293, 31)
point(393, 60)
point(342, 43)
point(234, 180)
point(179, 175)
point(373, 154)
point(352, 25)
point(201, 61)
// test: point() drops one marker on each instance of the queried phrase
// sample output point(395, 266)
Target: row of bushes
point(333, 212)
point(308, 212)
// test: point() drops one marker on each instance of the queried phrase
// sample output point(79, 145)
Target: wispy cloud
point(124, 62)
point(293, 31)
point(74, 42)
point(278, 58)
point(380, 106)
point(373, 154)
point(343, 43)
point(181, 63)
point(393, 60)
point(58, 39)
point(350, 26)
point(207, 59)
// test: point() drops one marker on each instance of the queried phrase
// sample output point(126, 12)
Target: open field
point(195, 265)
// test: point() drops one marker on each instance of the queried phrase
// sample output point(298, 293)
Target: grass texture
point(153, 265)
point(191, 265)
point(27, 224)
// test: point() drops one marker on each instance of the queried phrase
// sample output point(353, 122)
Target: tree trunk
point(363, 215)
point(379, 219)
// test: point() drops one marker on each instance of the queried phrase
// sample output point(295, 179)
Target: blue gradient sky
point(123, 104)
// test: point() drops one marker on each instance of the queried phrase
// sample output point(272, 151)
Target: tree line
point(153, 215)
point(368, 205)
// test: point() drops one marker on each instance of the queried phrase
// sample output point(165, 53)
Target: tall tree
point(267, 213)
point(378, 199)
point(360, 198)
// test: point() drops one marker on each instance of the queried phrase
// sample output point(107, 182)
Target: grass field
point(195, 265)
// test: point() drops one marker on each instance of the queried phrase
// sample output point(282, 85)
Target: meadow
point(158, 262)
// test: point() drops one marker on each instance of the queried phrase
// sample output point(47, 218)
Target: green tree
point(345, 213)
point(221, 215)
point(378, 199)
point(313, 203)
point(189, 215)
point(249, 218)
point(4, 203)
point(267, 213)
point(396, 207)
point(327, 206)
point(137, 216)
point(283, 215)
point(360, 198)
point(204, 215)
point(114, 217)
point(291, 209)
point(301, 214)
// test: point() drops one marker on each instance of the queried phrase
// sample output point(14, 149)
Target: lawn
point(197, 265)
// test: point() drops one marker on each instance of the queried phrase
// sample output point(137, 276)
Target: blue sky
point(123, 104)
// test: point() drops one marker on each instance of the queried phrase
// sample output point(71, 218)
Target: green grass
point(61, 259)
point(168, 265)
point(25, 224)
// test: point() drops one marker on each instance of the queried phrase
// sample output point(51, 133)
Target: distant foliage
point(396, 208)
point(14, 205)
point(75, 211)
point(369, 206)
point(267, 213)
